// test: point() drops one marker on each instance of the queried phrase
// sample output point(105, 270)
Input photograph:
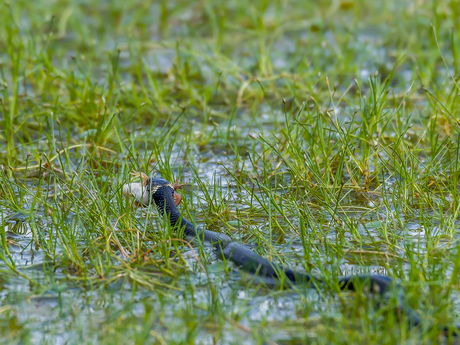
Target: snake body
point(161, 192)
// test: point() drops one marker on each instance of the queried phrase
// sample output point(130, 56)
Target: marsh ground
point(324, 134)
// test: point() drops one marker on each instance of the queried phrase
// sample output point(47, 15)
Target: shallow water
point(65, 311)
point(144, 66)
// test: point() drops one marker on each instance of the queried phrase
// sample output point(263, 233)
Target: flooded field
point(322, 135)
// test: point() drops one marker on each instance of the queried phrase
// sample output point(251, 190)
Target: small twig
point(239, 325)
point(114, 226)
point(118, 244)
point(123, 252)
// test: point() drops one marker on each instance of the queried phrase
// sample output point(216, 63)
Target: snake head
point(160, 188)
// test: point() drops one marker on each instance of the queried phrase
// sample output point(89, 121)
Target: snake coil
point(162, 193)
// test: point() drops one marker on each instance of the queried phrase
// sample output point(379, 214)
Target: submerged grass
point(322, 134)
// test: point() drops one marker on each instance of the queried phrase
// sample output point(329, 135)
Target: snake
point(161, 193)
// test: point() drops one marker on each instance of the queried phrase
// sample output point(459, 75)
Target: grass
point(322, 134)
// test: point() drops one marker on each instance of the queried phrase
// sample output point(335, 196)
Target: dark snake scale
point(162, 193)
